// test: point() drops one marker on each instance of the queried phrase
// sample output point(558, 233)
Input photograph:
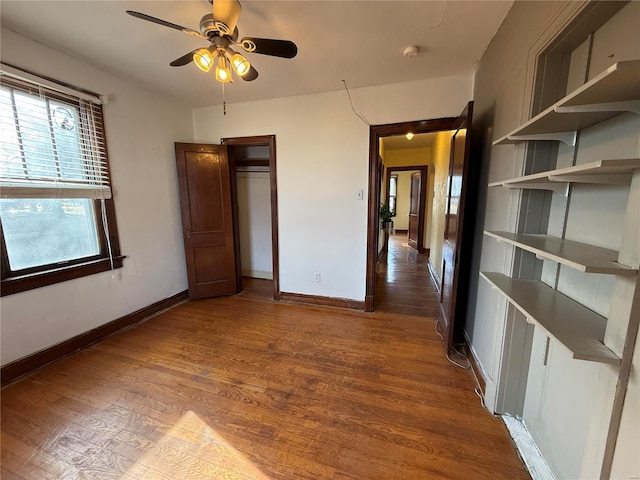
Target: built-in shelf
point(614, 91)
point(580, 256)
point(576, 327)
point(602, 172)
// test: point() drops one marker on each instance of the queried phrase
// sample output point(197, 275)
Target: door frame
point(262, 140)
point(376, 132)
point(424, 185)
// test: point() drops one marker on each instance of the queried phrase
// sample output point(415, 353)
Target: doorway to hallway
point(403, 282)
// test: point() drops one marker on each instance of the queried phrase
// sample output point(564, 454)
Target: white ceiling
point(358, 41)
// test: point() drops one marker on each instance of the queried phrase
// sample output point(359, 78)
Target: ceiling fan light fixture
point(240, 64)
point(203, 59)
point(223, 73)
point(409, 135)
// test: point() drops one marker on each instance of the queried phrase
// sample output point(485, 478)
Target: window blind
point(52, 143)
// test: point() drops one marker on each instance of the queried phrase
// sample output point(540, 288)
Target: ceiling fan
point(219, 29)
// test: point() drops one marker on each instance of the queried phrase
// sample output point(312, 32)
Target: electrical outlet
point(316, 277)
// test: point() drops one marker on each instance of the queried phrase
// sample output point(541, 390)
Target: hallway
point(404, 284)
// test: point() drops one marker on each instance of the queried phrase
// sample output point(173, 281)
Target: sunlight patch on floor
point(192, 449)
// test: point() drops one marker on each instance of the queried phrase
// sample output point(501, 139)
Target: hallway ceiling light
point(409, 135)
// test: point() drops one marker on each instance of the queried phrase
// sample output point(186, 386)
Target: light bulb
point(223, 74)
point(203, 59)
point(409, 136)
point(240, 64)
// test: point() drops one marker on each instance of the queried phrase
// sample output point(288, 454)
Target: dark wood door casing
point(207, 219)
point(454, 222)
point(262, 140)
point(424, 174)
point(415, 211)
point(376, 132)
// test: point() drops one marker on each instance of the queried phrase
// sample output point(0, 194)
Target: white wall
point(322, 161)
point(141, 128)
point(254, 218)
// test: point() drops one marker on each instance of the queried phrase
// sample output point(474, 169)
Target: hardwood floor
point(403, 281)
point(245, 388)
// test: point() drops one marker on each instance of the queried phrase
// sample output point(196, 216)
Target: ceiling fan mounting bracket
point(211, 28)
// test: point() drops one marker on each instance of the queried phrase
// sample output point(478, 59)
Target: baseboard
point(434, 275)
point(475, 365)
point(527, 449)
point(368, 303)
point(325, 301)
point(257, 274)
point(398, 231)
point(26, 365)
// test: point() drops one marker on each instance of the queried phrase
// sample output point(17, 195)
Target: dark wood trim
point(475, 365)
point(368, 303)
point(24, 366)
point(231, 156)
point(325, 301)
point(275, 243)
point(376, 132)
point(401, 231)
point(424, 182)
point(270, 141)
point(42, 279)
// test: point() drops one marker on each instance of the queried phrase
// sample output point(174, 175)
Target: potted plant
point(385, 214)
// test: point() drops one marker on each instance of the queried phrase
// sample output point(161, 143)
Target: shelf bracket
point(625, 106)
point(617, 180)
point(561, 188)
point(568, 138)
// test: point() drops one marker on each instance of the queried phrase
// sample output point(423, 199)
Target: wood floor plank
point(243, 387)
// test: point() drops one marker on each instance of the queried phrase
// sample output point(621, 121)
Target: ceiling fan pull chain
point(224, 102)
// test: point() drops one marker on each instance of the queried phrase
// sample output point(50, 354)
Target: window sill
point(23, 283)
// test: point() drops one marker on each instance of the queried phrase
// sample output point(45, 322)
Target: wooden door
point(454, 216)
point(414, 211)
point(207, 222)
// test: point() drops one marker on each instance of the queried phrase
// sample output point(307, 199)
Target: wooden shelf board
point(580, 256)
point(618, 83)
point(573, 325)
point(612, 92)
point(606, 172)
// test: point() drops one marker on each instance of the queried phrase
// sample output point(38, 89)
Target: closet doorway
point(252, 165)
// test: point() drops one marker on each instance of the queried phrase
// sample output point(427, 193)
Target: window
point(393, 192)
point(56, 211)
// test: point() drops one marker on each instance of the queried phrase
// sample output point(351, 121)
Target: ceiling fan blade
point(251, 75)
point(267, 46)
point(183, 60)
point(227, 12)
point(149, 18)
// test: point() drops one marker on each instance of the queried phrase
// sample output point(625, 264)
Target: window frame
point(108, 259)
point(393, 177)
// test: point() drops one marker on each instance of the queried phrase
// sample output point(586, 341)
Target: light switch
point(360, 195)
